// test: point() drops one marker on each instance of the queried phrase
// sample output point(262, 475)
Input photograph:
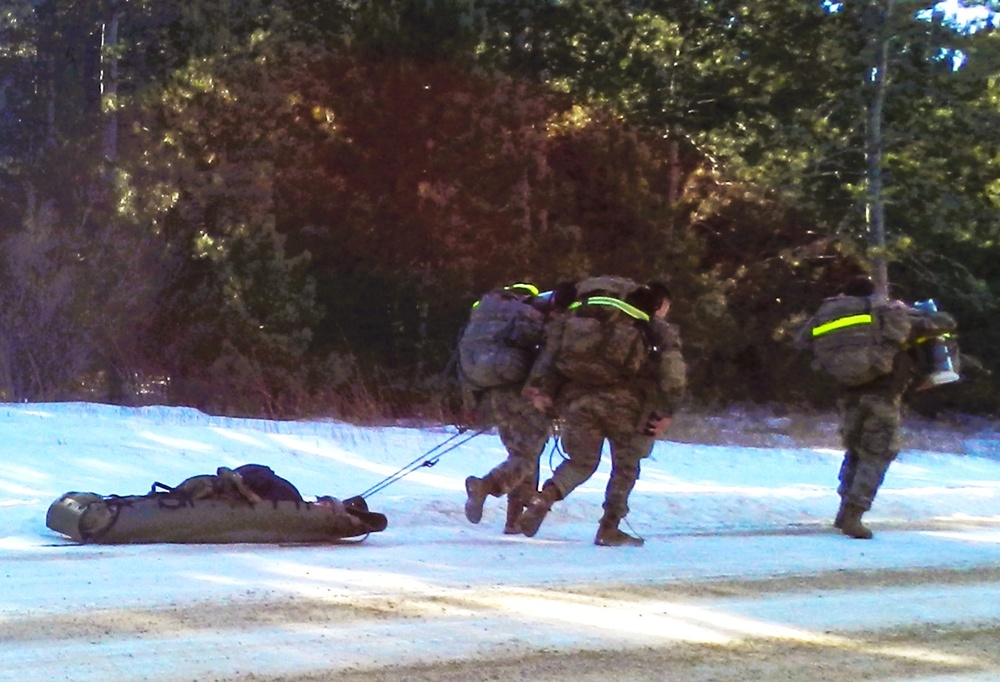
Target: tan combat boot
point(609, 535)
point(852, 526)
point(514, 510)
point(477, 490)
point(838, 520)
point(538, 507)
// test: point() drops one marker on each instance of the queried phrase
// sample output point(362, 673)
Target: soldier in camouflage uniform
point(630, 415)
point(871, 414)
point(523, 430)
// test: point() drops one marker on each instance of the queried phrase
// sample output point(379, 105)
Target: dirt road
point(836, 626)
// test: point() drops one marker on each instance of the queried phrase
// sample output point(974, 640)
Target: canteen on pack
point(940, 354)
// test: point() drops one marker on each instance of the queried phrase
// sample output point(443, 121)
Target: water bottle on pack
point(938, 353)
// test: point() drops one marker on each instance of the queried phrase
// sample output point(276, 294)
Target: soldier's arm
point(544, 379)
point(925, 324)
point(802, 336)
point(671, 370)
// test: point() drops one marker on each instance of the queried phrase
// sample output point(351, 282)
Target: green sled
point(213, 511)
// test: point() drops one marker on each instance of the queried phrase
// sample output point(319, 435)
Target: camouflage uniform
point(618, 413)
point(523, 429)
point(871, 416)
point(590, 417)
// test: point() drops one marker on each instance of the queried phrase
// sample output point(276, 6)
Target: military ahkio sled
point(249, 504)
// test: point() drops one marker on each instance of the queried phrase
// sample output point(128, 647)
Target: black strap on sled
point(358, 500)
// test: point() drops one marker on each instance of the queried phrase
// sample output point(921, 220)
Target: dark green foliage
point(295, 203)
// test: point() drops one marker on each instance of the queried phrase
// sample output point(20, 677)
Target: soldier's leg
point(525, 442)
point(518, 498)
point(876, 448)
point(582, 437)
point(626, 454)
point(848, 469)
point(582, 440)
point(523, 431)
point(851, 423)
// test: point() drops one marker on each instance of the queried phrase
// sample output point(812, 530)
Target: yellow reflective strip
point(840, 323)
point(629, 310)
point(925, 339)
point(526, 286)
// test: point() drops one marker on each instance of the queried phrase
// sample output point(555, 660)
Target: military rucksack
point(603, 341)
point(856, 342)
point(501, 340)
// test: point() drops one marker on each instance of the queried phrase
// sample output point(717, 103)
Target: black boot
point(852, 526)
point(538, 507)
point(609, 535)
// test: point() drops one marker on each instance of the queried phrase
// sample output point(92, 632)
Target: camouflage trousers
point(524, 431)
point(870, 424)
point(589, 419)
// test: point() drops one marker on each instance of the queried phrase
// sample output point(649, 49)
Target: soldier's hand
point(657, 424)
point(541, 401)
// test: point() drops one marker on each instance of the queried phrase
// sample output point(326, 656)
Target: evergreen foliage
point(286, 208)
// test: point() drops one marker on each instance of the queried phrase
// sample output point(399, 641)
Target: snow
point(708, 513)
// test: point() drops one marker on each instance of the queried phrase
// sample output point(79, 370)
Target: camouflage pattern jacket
point(660, 384)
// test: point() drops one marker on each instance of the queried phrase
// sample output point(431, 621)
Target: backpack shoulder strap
point(612, 302)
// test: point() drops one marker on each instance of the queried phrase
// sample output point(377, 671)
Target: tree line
point(287, 208)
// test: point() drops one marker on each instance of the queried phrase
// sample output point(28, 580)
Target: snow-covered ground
point(738, 552)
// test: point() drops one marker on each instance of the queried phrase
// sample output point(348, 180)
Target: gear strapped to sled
point(249, 504)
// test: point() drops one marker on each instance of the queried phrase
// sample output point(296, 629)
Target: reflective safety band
point(840, 323)
point(629, 310)
point(522, 286)
point(925, 339)
point(517, 287)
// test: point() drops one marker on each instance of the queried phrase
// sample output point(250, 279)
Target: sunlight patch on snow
point(215, 579)
point(688, 623)
point(178, 443)
point(16, 489)
point(969, 518)
point(322, 578)
point(987, 490)
point(236, 436)
point(656, 620)
point(16, 543)
point(23, 473)
point(14, 503)
point(332, 452)
point(37, 413)
point(327, 451)
point(978, 536)
point(795, 491)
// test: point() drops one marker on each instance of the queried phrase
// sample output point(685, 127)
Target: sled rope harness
point(428, 461)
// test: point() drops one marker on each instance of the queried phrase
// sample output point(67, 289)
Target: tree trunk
point(109, 86)
point(875, 206)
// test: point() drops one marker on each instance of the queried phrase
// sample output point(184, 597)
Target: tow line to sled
point(424, 460)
